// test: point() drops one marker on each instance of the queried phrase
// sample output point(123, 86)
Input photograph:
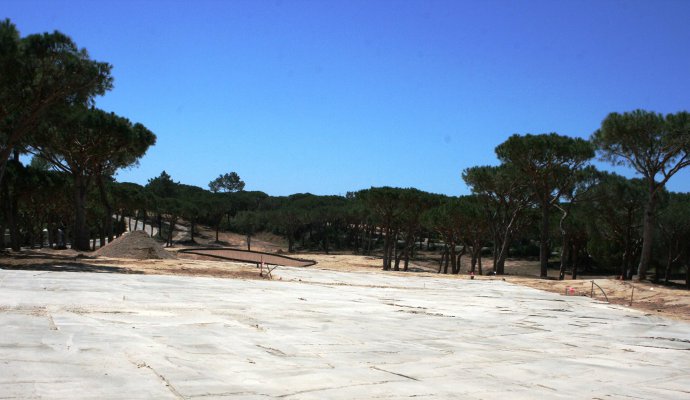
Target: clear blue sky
point(332, 96)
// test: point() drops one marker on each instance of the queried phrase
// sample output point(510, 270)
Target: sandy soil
point(263, 241)
point(68, 260)
point(645, 296)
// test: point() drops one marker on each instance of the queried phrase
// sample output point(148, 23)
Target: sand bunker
point(248, 256)
point(135, 245)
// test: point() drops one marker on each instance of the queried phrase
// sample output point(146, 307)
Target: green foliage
point(552, 166)
point(89, 144)
point(32, 199)
point(614, 210)
point(249, 222)
point(162, 186)
point(505, 197)
point(128, 197)
point(549, 162)
point(674, 227)
point(39, 74)
point(650, 143)
point(654, 145)
point(227, 183)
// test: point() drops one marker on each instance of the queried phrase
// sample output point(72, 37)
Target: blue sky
point(333, 96)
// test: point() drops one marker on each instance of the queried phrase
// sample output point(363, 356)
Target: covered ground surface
point(316, 334)
point(663, 300)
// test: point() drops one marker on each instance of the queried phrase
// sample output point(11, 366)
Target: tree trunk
point(108, 209)
point(565, 255)
point(49, 235)
point(453, 258)
point(479, 262)
point(171, 230)
point(544, 241)
point(499, 269)
point(458, 261)
point(676, 249)
point(191, 229)
point(2, 236)
point(408, 249)
point(565, 243)
point(476, 258)
point(687, 271)
point(576, 261)
point(496, 249)
point(395, 257)
point(81, 234)
point(625, 265)
point(386, 250)
point(101, 238)
point(12, 218)
point(325, 240)
point(647, 236)
point(68, 237)
point(404, 253)
point(391, 252)
point(160, 225)
point(144, 218)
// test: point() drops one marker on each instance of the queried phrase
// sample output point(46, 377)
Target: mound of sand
point(136, 245)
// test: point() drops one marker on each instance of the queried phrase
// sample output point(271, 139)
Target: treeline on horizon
point(543, 197)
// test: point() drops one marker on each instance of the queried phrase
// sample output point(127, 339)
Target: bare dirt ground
point(646, 296)
point(69, 260)
point(651, 298)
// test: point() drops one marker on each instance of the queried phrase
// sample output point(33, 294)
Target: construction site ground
point(78, 326)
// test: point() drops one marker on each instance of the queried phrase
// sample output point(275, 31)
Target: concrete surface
point(329, 336)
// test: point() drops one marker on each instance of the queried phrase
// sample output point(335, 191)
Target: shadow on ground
point(70, 267)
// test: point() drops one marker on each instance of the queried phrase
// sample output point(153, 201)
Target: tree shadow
point(70, 267)
point(37, 254)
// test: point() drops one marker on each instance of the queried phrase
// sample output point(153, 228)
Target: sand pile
point(137, 245)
